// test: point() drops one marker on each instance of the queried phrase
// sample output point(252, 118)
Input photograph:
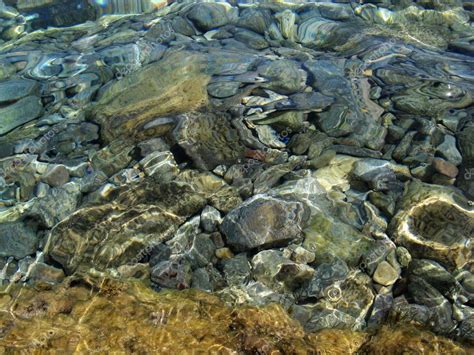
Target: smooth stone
point(356, 151)
point(326, 275)
point(449, 151)
point(107, 242)
point(284, 76)
point(17, 240)
point(251, 39)
point(255, 19)
point(41, 272)
point(436, 275)
point(223, 89)
point(271, 268)
point(57, 176)
point(385, 274)
point(445, 167)
point(421, 292)
point(207, 279)
point(329, 237)
point(14, 90)
point(19, 113)
point(323, 160)
point(298, 254)
point(316, 32)
point(466, 143)
point(287, 24)
point(263, 222)
point(207, 16)
point(312, 101)
point(173, 85)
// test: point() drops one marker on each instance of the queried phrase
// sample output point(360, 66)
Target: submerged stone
point(263, 222)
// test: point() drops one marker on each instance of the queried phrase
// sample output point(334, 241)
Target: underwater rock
point(14, 90)
point(174, 273)
point(223, 89)
point(344, 305)
point(237, 269)
point(17, 240)
point(435, 222)
point(385, 274)
point(328, 237)
point(207, 16)
point(287, 24)
point(284, 76)
point(255, 19)
point(82, 234)
point(41, 272)
point(263, 222)
point(158, 90)
point(209, 139)
point(210, 219)
point(251, 39)
point(19, 113)
point(57, 176)
point(129, 144)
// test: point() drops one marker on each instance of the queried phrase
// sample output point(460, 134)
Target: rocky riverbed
point(292, 174)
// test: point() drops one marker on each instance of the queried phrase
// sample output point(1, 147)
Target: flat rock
point(14, 90)
point(19, 113)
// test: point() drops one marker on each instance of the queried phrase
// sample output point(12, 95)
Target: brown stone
point(57, 176)
point(445, 167)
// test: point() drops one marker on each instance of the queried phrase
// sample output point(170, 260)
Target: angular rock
point(173, 273)
point(57, 176)
point(385, 274)
point(208, 139)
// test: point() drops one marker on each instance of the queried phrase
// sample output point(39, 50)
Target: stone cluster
point(315, 155)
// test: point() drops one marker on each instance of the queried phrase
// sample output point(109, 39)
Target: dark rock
point(263, 222)
point(251, 39)
point(57, 176)
point(207, 16)
point(17, 240)
point(173, 273)
point(255, 19)
point(236, 269)
point(19, 113)
point(14, 90)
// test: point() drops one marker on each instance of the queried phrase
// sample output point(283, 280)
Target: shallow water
point(236, 177)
